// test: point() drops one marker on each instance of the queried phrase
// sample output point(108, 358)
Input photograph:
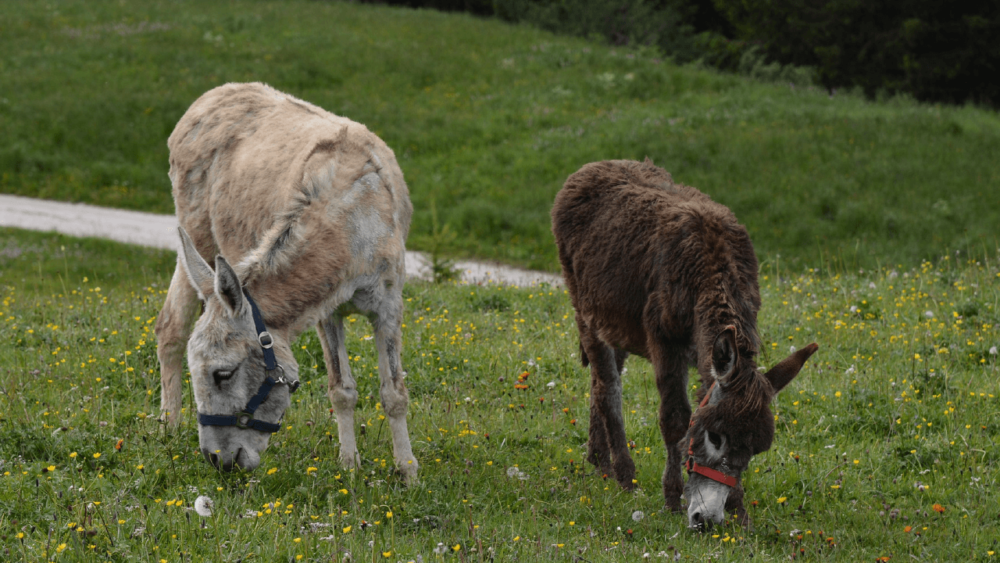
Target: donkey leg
point(342, 390)
point(173, 327)
point(675, 414)
point(606, 397)
point(598, 451)
point(395, 397)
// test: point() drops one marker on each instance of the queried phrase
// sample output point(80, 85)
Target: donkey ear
point(724, 354)
point(199, 272)
point(786, 370)
point(227, 286)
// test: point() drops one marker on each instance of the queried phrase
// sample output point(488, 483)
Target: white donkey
point(306, 214)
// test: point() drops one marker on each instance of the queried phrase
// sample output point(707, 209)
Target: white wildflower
point(551, 385)
point(638, 515)
point(871, 285)
point(203, 506)
point(515, 473)
point(791, 349)
point(854, 308)
point(929, 314)
point(993, 351)
point(849, 370)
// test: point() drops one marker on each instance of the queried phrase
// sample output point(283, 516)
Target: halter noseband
point(244, 418)
point(693, 467)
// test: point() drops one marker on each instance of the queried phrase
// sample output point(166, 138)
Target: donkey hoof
point(408, 469)
point(350, 461)
point(171, 419)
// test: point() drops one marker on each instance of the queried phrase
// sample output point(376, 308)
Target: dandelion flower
point(97, 455)
point(203, 506)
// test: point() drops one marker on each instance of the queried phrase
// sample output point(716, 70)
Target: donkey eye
point(716, 439)
point(221, 375)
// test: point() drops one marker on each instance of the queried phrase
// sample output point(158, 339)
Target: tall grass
point(886, 442)
point(488, 120)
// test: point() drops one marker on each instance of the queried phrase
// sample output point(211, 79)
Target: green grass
point(894, 397)
point(488, 120)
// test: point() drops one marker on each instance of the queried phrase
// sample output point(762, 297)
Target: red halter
point(693, 467)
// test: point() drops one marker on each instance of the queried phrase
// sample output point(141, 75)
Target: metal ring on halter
point(243, 419)
point(292, 385)
point(265, 336)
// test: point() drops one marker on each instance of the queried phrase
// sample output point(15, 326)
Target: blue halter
point(244, 418)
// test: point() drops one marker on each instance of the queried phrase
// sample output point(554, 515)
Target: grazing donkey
point(306, 214)
point(658, 269)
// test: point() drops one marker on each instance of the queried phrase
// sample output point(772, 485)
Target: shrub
point(936, 51)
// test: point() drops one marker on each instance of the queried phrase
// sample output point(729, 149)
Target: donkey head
point(228, 367)
point(733, 423)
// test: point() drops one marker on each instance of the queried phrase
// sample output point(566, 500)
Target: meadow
point(885, 446)
point(488, 120)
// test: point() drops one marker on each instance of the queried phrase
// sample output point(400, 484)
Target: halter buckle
point(265, 340)
point(243, 419)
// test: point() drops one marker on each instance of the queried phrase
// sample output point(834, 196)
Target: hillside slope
point(488, 120)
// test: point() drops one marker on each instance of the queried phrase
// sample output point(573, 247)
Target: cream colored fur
point(312, 212)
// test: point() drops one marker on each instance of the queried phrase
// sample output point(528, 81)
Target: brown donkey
point(660, 270)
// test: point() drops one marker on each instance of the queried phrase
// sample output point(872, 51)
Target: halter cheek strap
point(244, 418)
point(693, 467)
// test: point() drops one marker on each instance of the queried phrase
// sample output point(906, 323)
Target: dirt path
point(160, 231)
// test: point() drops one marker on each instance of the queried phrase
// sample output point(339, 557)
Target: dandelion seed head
point(203, 506)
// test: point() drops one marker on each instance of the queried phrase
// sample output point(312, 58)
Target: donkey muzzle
point(228, 461)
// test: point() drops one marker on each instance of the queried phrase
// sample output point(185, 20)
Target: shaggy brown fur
point(658, 269)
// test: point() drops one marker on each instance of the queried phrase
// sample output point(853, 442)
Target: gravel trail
point(160, 231)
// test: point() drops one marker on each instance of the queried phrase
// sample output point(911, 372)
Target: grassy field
point(488, 120)
point(886, 443)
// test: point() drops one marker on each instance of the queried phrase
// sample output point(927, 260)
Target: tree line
point(932, 50)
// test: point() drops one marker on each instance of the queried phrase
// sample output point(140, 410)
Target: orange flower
point(907, 529)
point(118, 446)
point(938, 508)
